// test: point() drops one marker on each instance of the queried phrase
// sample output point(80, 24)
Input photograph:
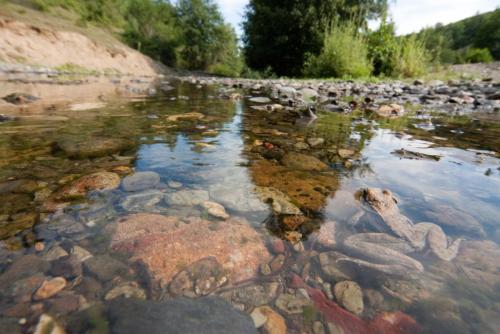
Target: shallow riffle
point(249, 208)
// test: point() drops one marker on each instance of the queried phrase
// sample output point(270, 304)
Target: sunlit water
point(219, 154)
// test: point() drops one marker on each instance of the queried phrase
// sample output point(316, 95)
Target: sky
point(409, 15)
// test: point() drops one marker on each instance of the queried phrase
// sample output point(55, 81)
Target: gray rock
point(240, 198)
point(315, 141)
point(260, 100)
point(350, 296)
point(67, 267)
point(141, 181)
point(104, 267)
point(187, 197)
point(292, 304)
point(142, 202)
point(208, 315)
point(61, 225)
point(253, 295)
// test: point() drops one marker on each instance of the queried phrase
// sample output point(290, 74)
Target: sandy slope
point(36, 44)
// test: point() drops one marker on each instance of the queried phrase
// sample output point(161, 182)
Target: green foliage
point(345, 53)
point(410, 59)
point(450, 43)
point(281, 34)
point(476, 55)
point(191, 35)
point(382, 48)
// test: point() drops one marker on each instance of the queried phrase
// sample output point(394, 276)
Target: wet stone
point(67, 267)
point(271, 321)
point(350, 296)
point(141, 181)
point(215, 209)
point(104, 267)
point(277, 263)
point(47, 325)
point(292, 304)
point(62, 225)
point(144, 201)
point(126, 290)
point(91, 147)
point(199, 279)
point(50, 288)
point(253, 295)
point(187, 197)
point(303, 162)
point(208, 315)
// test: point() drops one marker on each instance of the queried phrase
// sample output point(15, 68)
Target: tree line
point(296, 38)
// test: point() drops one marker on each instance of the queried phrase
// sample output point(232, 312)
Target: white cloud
point(413, 15)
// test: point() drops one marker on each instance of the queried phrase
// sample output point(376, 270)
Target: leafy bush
point(382, 46)
point(411, 58)
point(344, 53)
point(476, 55)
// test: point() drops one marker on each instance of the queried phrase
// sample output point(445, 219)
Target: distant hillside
point(465, 40)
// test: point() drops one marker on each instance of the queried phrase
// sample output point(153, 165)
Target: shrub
point(344, 53)
point(476, 55)
point(410, 59)
point(382, 46)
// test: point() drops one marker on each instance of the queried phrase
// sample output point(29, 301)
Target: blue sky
point(409, 15)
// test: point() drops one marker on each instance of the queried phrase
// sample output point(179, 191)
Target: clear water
point(461, 295)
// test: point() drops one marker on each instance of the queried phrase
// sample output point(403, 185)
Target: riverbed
point(281, 216)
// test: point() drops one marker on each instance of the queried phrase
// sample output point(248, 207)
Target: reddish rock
point(326, 234)
point(294, 222)
point(164, 246)
point(96, 181)
point(385, 323)
point(278, 246)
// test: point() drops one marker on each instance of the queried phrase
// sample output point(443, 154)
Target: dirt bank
point(37, 44)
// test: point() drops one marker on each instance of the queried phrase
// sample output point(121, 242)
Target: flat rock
point(93, 182)
point(126, 290)
point(450, 217)
point(303, 162)
point(187, 197)
point(161, 243)
point(215, 209)
point(280, 202)
point(241, 198)
point(208, 315)
point(143, 201)
point(92, 147)
point(190, 116)
point(253, 295)
point(141, 181)
point(104, 267)
point(260, 100)
point(50, 288)
point(292, 304)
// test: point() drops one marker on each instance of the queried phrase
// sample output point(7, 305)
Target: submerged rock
point(450, 217)
point(208, 315)
point(47, 325)
point(141, 202)
point(50, 288)
point(20, 98)
point(241, 198)
point(160, 244)
point(391, 110)
point(215, 209)
point(141, 181)
point(91, 147)
point(186, 116)
point(268, 318)
point(280, 203)
point(350, 296)
point(80, 188)
point(260, 99)
point(187, 197)
point(300, 161)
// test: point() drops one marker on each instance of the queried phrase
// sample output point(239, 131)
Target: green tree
point(281, 33)
point(207, 40)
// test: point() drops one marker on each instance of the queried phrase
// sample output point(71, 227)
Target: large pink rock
point(165, 246)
